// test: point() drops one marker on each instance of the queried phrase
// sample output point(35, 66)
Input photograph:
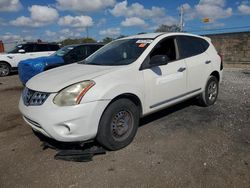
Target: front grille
point(34, 98)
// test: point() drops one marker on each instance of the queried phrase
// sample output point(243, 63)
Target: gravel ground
point(182, 146)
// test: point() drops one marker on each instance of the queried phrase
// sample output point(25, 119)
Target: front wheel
point(118, 124)
point(4, 69)
point(210, 94)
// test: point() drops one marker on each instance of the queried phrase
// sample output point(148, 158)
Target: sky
point(56, 20)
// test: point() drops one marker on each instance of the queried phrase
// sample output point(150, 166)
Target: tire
point(118, 124)
point(210, 94)
point(4, 69)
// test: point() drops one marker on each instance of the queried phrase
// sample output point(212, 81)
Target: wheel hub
point(212, 91)
point(4, 70)
point(121, 124)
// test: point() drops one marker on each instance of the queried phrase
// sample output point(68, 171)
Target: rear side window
point(191, 46)
point(92, 48)
point(41, 48)
point(29, 48)
point(53, 47)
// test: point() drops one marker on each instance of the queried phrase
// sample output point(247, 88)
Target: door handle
point(208, 61)
point(181, 69)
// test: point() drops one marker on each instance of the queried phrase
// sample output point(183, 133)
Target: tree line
point(161, 28)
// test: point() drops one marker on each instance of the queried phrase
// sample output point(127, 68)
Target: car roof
point(147, 36)
point(38, 43)
point(85, 44)
point(155, 35)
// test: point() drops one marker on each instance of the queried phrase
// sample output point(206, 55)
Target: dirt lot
point(183, 146)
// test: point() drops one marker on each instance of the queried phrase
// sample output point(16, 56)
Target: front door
point(164, 84)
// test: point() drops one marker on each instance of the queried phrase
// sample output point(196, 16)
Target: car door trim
point(174, 98)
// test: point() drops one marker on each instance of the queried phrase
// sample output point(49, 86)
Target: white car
point(9, 61)
point(104, 96)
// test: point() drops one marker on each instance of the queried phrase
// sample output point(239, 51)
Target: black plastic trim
point(174, 98)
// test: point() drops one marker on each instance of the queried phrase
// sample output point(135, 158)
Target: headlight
point(73, 94)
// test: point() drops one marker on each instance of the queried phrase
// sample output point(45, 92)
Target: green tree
point(107, 40)
point(168, 28)
point(121, 36)
point(77, 41)
point(88, 40)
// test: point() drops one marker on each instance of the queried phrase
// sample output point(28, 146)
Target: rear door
point(199, 66)
point(164, 84)
point(28, 54)
point(41, 50)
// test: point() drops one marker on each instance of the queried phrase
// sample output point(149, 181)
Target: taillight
point(221, 62)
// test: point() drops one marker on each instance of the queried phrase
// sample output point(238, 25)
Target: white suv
point(104, 96)
point(10, 60)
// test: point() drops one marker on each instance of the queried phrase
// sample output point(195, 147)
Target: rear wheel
point(210, 94)
point(4, 69)
point(118, 124)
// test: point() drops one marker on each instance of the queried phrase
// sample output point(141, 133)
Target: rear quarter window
point(41, 48)
point(53, 47)
point(191, 46)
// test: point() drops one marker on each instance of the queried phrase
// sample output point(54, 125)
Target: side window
point(81, 53)
point(29, 48)
point(41, 48)
point(53, 47)
point(165, 47)
point(191, 46)
point(77, 54)
point(91, 49)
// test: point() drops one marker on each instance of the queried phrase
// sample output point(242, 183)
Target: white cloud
point(244, 8)
point(84, 5)
point(166, 20)
point(111, 32)
point(136, 10)
point(213, 9)
point(9, 37)
point(25, 21)
point(43, 14)
point(77, 21)
point(101, 22)
point(137, 15)
point(50, 33)
point(10, 5)
point(214, 26)
point(63, 34)
point(39, 16)
point(133, 21)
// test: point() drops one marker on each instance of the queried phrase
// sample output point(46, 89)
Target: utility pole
point(181, 18)
point(87, 31)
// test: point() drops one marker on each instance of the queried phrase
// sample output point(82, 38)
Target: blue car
point(66, 55)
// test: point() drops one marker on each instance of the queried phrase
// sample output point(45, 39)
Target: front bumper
point(65, 124)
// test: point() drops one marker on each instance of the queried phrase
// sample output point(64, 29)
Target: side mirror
point(22, 51)
point(159, 60)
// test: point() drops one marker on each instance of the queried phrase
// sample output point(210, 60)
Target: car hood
point(43, 61)
point(56, 79)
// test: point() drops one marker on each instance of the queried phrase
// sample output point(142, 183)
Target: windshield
point(15, 49)
point(120, 52)
point(64, 50)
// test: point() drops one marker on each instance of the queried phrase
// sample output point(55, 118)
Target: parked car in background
point(9, 61)
point(66, 55)
point(104, 96)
